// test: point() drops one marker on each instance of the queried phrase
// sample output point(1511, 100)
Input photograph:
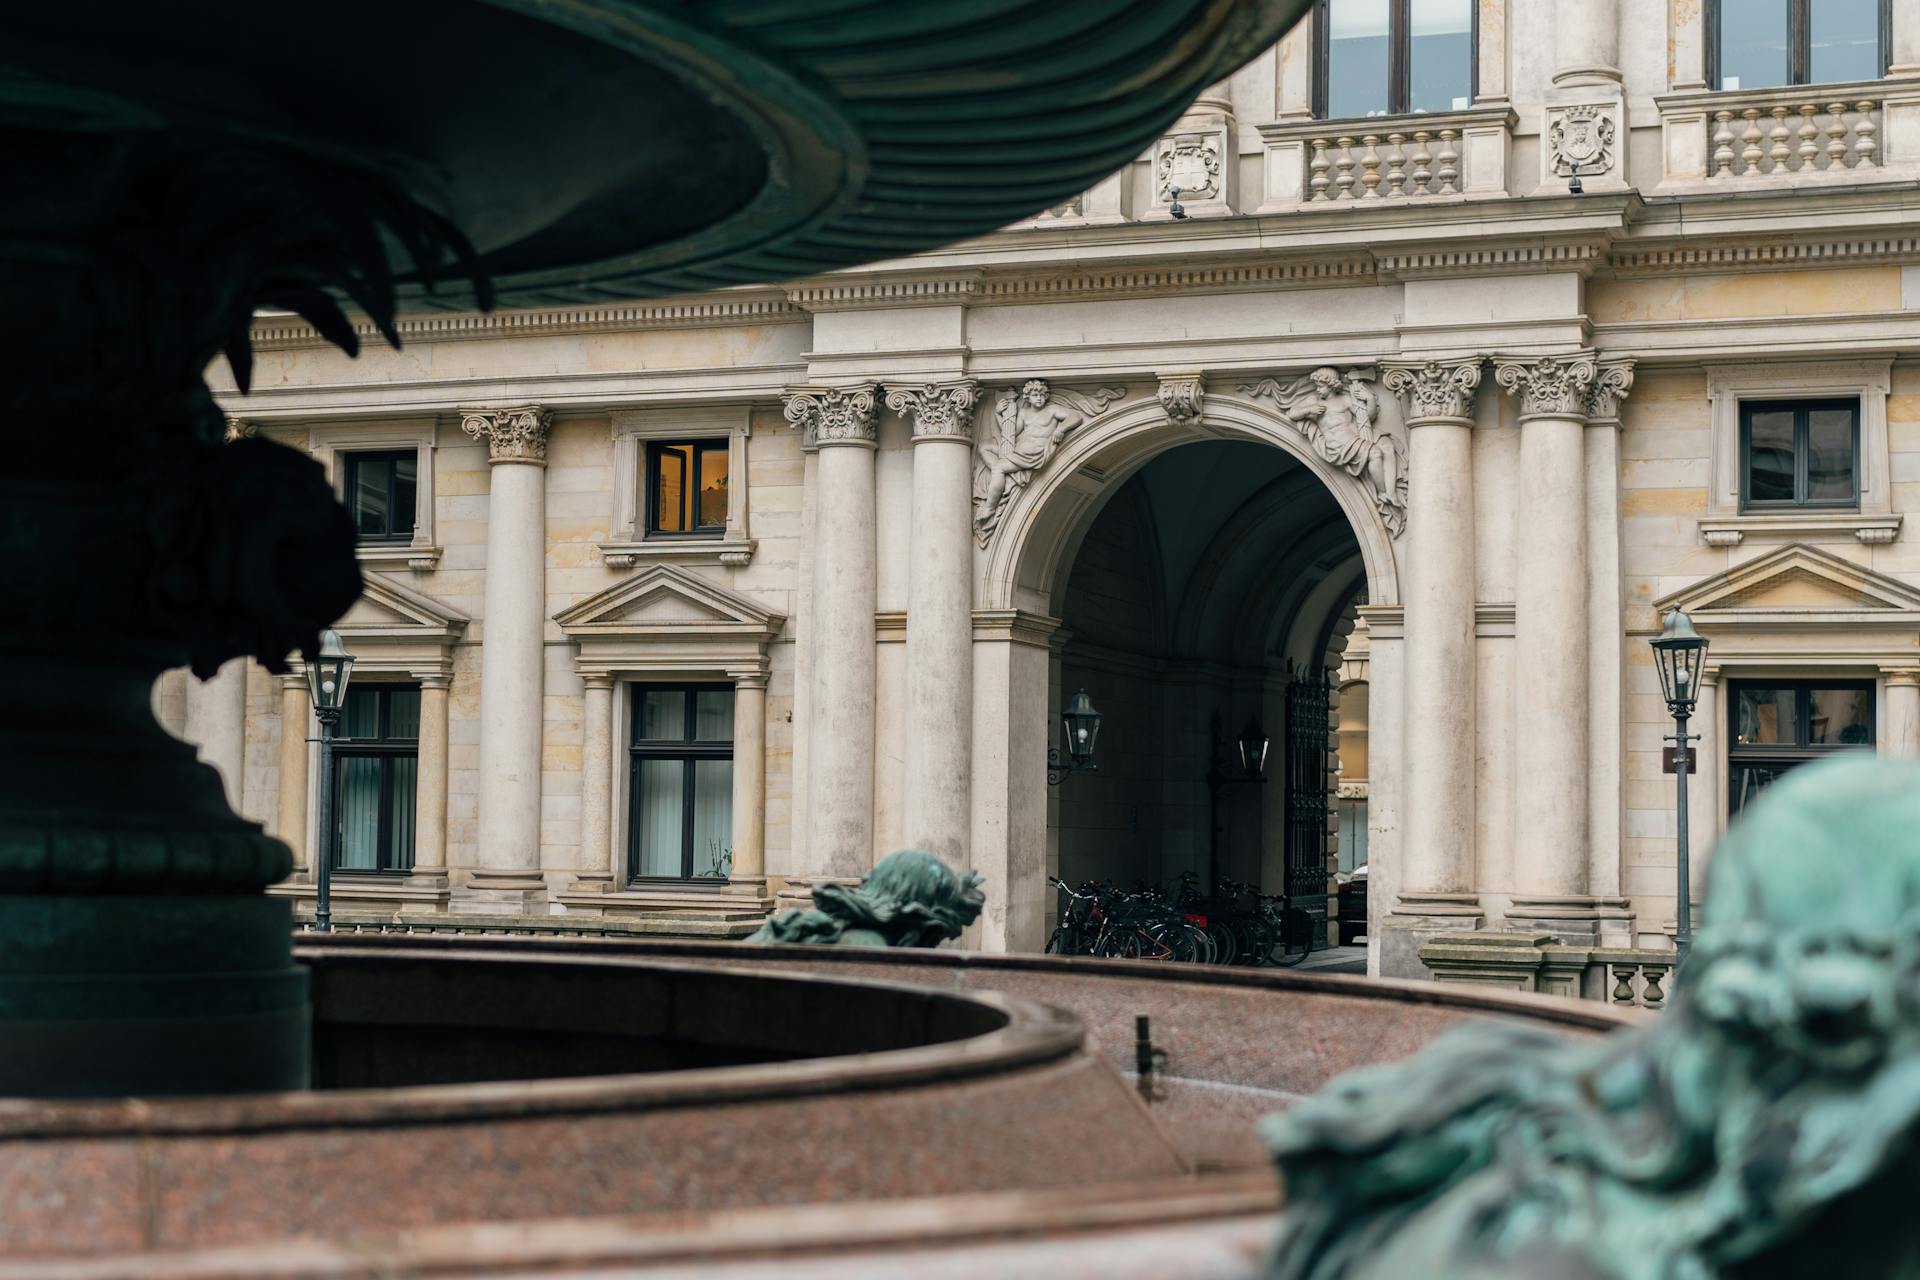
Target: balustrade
point(1792, 136)
point(1387, 159)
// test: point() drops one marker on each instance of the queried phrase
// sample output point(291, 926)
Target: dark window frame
point(1799, 44)
point(384, 748)
point(702, 446)
point(1800, 751)
point(1801, 447)
point(1399, 57)
point(357, 458)
point(688, 750)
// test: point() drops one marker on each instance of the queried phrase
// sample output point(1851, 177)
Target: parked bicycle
point(1234, 924)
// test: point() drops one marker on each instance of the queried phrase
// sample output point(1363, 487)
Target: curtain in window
point(712, 818)
point(405, 770)
point(658, 821)
point(359, 809)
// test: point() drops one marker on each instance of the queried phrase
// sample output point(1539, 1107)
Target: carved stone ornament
point(937, 410)
point(1029, 426)
point(1763, 1125)
point(1183, 396)
point(1610, 386)
point(240, 429)
point(1191, 162)
point(1548, 386)
point(1581, 135)
point(911, 899)
point(1436, 390)
point(518, 434)
point(834, 415)
point(1339, 415)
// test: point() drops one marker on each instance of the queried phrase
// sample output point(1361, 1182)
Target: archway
point(1206, 578)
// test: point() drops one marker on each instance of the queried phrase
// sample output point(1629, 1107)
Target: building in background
point(1385, 403)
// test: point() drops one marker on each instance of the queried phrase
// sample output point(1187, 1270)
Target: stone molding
point(1745, 255)
point(285, 333)
point(834, 415)
point(517, 434)
point(1486, 259)
point(892, 291)
point(1611, 384)
point(1015, 626)
point(1435, 391)
point(1548, 386)
point(1183, 396)
point(937, 410)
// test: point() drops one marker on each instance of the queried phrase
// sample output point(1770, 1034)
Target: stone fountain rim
point(1032, 1035)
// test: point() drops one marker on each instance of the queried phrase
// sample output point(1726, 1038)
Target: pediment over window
point(395, 629)
point(665, 619)
point(1798, 586)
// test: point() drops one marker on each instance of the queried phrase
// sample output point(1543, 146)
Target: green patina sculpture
point(1764, 1126)
point(911, 899)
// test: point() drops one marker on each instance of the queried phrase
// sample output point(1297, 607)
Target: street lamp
point(327, 674)
point(1678, 654)
point(1253, 750)
point(1080, 726)
point(1251, 747)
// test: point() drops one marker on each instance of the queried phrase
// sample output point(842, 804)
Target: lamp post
point(327, 676)
point(1678, 654)
point(1080, 726)
point(1251, 748)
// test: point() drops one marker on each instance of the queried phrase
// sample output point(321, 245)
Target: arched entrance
point(1206, 580)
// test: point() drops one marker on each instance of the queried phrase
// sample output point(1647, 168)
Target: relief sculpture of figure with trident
point(1339, 415)
point(1029, 426)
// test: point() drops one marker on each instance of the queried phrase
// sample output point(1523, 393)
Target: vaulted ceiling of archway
point(1218, 540)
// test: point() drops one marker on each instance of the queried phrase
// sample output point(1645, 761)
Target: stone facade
point(1507, 413)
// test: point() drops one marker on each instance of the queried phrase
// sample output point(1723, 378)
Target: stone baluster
point(1437, 878)
point(840, 426)
point(1448, 173)
point(937, 804)
point(1551, 642)
point(1809, 137)
point(1864, 145)
point(295, 728)
point(1317, 181)
point(1750, 152)
point(1422, 163)
point(1723, 144)
point(1837, 135)
point(1396, 176)
point(1778, 150)
point(512, 655)
point(1343, 164)
point(1370, 167)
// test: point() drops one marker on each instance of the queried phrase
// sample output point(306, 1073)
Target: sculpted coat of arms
point(1582, 136)
point(1339, 414)
point(1029, 426)
point(1191, 162)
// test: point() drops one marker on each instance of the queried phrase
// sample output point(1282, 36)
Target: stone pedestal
point(512, 661)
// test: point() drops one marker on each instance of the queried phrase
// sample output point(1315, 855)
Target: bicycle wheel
point(1121, 944)
point(1061, 943)
point(1225, 945)
point(1203, 950)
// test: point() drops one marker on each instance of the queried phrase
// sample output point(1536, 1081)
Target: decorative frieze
point(1029, 426)
point(834, 415)
point(518, 434)
point(1548, 386)
point(1339, 414)
point(937, 410)
point(1183, 396)
point(1436, 390)
point(1611, 383)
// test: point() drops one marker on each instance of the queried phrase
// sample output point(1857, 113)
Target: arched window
point(1391, 57)
point(1760, 44)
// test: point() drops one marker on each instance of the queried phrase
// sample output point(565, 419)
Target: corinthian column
point(839, 423)
point(511, 659)
point(1606, 789)
point(937, 806)
point(1437, 867)
point(1551, 643)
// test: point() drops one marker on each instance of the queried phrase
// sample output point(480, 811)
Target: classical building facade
point(1379, 411)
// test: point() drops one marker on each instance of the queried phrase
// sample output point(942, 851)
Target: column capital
point(1548, 386)
point(749, 679)
point(240, 429)
point(516, 434)
point(598, 680)
point(1435, 392)
point(436, 682)
point(1611, 384)
point(1183, 396)
point(294, 680)
point(1902, 679)
point(834, 415)
point(937, 410)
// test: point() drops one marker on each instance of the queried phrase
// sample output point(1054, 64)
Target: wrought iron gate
point(1309, 698)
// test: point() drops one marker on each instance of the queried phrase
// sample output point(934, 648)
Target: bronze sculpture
point(1763, 1126)
point(910, 899)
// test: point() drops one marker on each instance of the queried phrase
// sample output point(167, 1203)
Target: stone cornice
point(865, 293)
point(1492, 257)
point(1745, 254)
point(288, 332)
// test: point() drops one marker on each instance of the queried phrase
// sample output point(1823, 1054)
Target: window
point(1391, 57)
point(1779, 724)
point(687, 487)
point(1799, 453)
point(681, 800)
point(1761, 44)
point(381, 494)
point(376, 763)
